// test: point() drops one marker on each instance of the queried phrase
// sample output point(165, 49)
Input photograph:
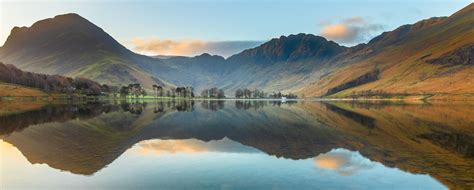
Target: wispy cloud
point(350, 31)
point(191, 47)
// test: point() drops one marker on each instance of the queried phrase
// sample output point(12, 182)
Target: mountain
point(71, 45)
point(429, 59)
point(432, 57)
point(273, 66)
point(290, 48)
point(281, 64)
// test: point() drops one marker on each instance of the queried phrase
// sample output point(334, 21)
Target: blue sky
point(196, 26)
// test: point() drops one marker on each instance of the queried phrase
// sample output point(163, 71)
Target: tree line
point(137, 90)
point(213, 93)
point(50, 83)
point(247, 94)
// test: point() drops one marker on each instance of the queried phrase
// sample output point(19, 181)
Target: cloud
point(343, 162)
point(354, 20)
point(350, 31)
point(157, 46)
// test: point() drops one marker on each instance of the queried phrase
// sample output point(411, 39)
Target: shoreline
point(412, 99)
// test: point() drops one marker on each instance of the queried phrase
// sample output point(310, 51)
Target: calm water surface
point(236, 145)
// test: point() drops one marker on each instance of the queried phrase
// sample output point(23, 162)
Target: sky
point(226, 27)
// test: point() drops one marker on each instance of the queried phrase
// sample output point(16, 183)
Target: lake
point(236, 144)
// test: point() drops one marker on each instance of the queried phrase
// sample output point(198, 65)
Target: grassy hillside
point(407, 66)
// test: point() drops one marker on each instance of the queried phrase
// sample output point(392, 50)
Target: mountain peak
point(290, 48)
point(204, 55)
point(44, 22)
point(67, 30)
point(69, 15)
point(69, 19)
point(209, 56)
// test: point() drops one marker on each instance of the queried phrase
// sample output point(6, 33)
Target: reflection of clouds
point(190, 146)
point(343, 161)
point(171, 147)
point(7, 148)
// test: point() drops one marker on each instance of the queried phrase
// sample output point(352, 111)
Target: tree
point(220, 94)
point(205, 93)
point(173, 93)
point(136, 89)
point(247, 93)
point(155, 89)
point(159, 89)
point(239, 93)
point(124, 91)
point(190, 91)
point(213, 93)
point(181, 92)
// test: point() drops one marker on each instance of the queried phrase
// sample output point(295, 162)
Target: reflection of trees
point(279, 103)
point(178, 105)
point(158, 107)
point(213, 105)
point(247, 104)
point(184, 105)
point(133, 107)
point(52, 113)
point(256, 104)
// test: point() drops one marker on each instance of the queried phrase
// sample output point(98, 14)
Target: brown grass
point(12, 90)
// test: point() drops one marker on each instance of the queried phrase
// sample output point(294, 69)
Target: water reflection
point(191, 146)
point(347, 138)
point(343, 161)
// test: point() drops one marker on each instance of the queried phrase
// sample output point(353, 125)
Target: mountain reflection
point(424, 139)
